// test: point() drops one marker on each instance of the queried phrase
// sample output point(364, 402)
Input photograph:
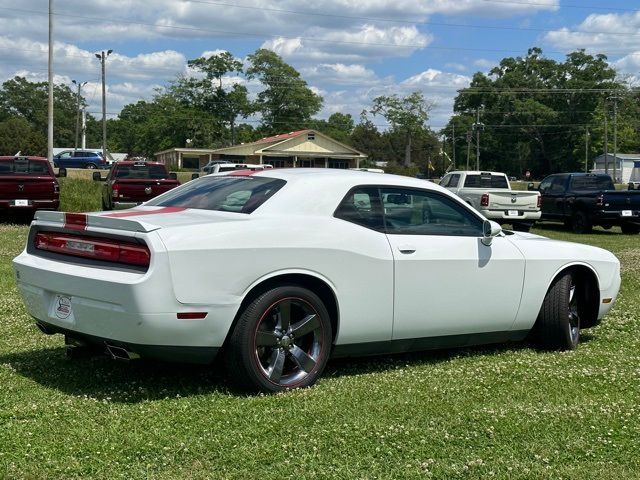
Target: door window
point(419, 212)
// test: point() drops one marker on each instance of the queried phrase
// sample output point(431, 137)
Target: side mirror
point(530, 186)
point(194, 176)
point(173, 175)
point(62, 172)
point(97, 177)
point(489, 230)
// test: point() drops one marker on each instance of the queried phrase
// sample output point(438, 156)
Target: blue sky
point(348, 51)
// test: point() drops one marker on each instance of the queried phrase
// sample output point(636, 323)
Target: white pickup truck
point(490, 193)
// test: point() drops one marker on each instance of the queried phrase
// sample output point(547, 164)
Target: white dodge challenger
point(279, 270)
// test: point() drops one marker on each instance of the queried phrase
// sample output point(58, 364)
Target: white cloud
point(484, 64)
point(618, 32)
point(339, 73)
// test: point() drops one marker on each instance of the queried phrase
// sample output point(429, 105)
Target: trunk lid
point(621, 199)
point(140, 219)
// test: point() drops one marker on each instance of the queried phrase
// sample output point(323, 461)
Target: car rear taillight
point(115, 189)
point(539, 201)
point(484, 200)
point(106, 250)
point(599, 200)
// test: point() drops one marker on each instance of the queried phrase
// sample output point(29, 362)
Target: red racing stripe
point(138, 213)
point(75, 221)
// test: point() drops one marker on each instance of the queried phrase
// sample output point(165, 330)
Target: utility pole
point(468, 147)
point(102, 57)
point(84, 128)
point(586, 149)
point(50, 104)
point(615, 138)
point(606, 139)
point(477, 127)
point(453, 144)
point(80, 85)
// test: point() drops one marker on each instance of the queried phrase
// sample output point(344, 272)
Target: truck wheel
point(580, 222)
point(558, 323)
point(628, 229)
point(282, 341)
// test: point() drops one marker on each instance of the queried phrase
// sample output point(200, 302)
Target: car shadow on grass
point(559, 227)
point(104, 379)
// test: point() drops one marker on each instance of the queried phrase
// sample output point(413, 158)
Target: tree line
point(534, 114)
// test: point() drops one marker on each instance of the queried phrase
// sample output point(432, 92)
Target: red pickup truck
point(28, 184)
point(131, 183)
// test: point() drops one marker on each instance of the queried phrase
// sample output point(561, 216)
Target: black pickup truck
point(582, 200)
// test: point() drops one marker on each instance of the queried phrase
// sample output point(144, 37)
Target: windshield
point(225, 194)
point(24, 166)
point(141, 171)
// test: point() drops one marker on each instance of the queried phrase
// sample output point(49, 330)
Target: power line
point(403, 21)
point(309, 39)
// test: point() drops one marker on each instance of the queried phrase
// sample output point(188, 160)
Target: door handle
point(407, 249)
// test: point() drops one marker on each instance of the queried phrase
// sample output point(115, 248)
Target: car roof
point(134, 162)
point(319, 190)
point(28, 157)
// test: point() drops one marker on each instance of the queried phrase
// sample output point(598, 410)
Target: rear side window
point(592, 182)
point(362, 207)
point(225, 194)
point(486, 180)
point(141, 171)
point(24, 166)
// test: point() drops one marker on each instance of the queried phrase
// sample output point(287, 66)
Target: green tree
point(17, 135)
point(287, 103)
point(535, 110)
point(209, 94)
point(338, 126)
point(20, 98)
point(406, 115)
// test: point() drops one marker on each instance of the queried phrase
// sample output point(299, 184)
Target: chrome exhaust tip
point(43, 328)
point(122, 354)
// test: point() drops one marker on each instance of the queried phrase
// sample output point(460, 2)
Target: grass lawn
point(506, 411)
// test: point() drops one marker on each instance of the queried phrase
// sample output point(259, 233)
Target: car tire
point(91, 166)
point(580, 222)
point(281, 341)
point(558, 323)
point(629, 229)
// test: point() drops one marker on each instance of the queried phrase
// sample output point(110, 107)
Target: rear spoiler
point(84, 221)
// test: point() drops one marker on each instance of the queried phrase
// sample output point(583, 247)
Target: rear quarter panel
point(221, 263)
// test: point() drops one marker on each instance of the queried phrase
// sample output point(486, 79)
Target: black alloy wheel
point(558, 323)
point(281, 341)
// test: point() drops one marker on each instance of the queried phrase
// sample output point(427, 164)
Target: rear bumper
point(33, 205)
point(201, 355)
point(503, 215)
point(614, 217)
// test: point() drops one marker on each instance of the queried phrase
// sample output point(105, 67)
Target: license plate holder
point(626, 213)
point(512, 213)
point(21, 203)
point(61, 308)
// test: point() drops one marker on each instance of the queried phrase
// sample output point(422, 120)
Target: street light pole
point(102, 57)
point(80, 85)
